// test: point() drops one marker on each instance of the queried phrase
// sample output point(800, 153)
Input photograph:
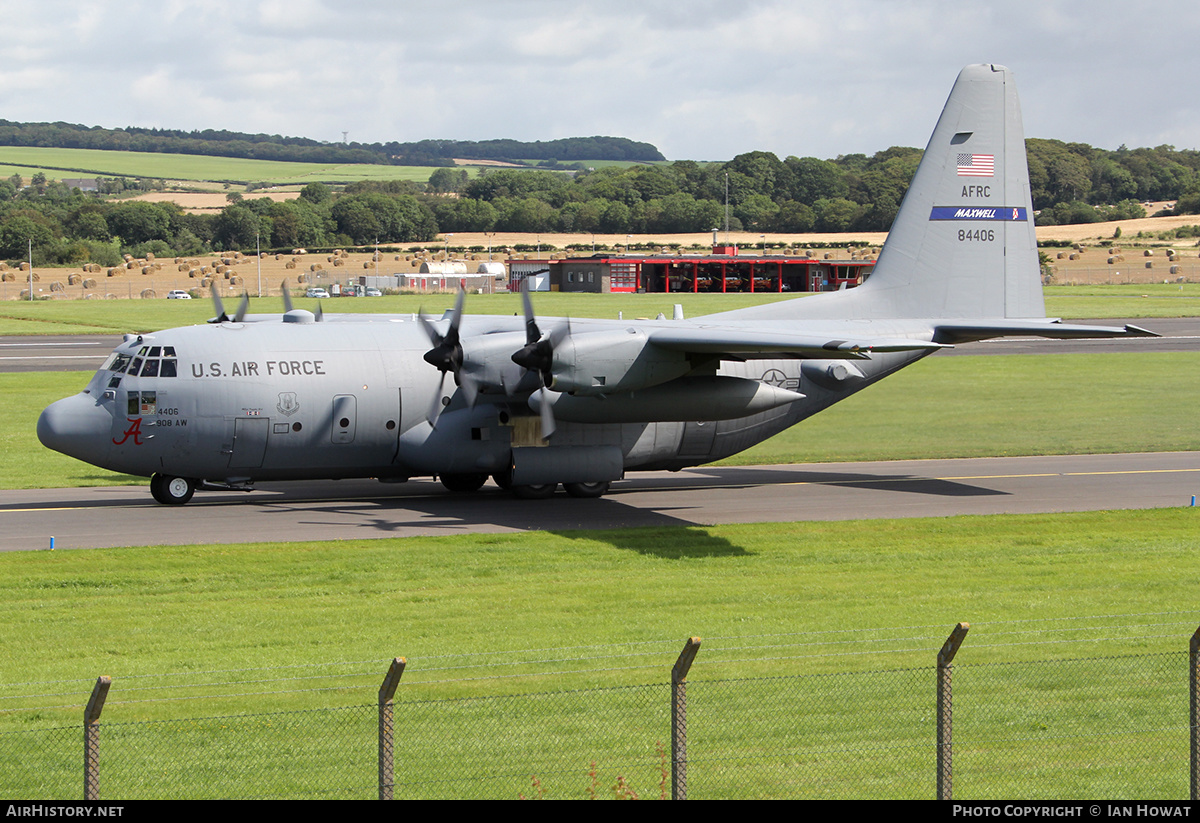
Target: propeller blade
point(532, 333)
point(547, 413)
point(320, 313)
point(221, 317)
point(469, 387)
point(243, 306)
point(287, 296)
point(435, 408)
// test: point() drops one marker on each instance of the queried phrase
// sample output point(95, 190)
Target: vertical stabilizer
point(963, 243)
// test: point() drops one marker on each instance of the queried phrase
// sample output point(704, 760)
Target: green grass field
point(243, 633)
point(59, 163)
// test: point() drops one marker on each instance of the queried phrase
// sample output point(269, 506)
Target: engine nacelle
point(690, 398)
point(610, 362)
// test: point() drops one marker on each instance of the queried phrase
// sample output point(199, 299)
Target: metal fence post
point(1194, 713)
point(679, 674)
point(387, 691)
point(91, 738)
point(945, 711)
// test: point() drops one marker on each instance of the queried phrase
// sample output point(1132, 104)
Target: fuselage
point(233, 403)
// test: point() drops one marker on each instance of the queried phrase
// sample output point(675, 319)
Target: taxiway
point(364, 510)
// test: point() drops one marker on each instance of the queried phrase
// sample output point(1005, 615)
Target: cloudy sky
point(700, 79)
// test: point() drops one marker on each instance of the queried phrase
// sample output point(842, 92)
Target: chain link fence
point(1105, 726)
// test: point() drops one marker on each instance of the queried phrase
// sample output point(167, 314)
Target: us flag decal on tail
point(976, 165)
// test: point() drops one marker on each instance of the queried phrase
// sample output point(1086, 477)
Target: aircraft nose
point(75, 426)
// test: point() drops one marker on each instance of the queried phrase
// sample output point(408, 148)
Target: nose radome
point(75, 426)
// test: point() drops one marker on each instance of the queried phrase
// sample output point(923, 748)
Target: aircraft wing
point(741, 344)
point(966, 332)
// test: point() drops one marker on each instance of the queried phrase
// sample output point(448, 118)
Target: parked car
point(178, 294)
point(370, 292)
point(316, 292)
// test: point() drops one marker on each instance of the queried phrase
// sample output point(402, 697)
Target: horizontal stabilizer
point(1055, 329)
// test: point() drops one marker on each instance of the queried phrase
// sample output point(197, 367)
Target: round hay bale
point(7, 276)
point(89, 284)
point(291, 264)
point(57, 285)
point(1174, 269)
point(1073, 257)
point(1148, 253)
point(24, 294)
point(147, 294)
point(149, 255)
point(126, 257)
point(193, 272)
point(339, 261)
point(205, 282)
point(110, 296)
point(3, 266)
point(235, 280)
point(24, 266)
point(91, 297)
point(74, 279)
point(111, 273)
point(1149, 264)
point(147, 269)
point(1112, 260)
point(1060, 255)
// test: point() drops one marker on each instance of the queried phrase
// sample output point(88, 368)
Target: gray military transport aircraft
point(534, 403)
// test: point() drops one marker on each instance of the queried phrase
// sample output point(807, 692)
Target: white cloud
point(703, 80)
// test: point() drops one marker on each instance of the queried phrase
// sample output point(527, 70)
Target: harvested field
point(209, 202)
point(1075, 267)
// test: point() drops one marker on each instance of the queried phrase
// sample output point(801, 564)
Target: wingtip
point(1138, 331)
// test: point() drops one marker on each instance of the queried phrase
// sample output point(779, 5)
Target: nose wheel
point(170, 490)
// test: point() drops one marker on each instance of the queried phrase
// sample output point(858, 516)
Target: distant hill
point(221, 143)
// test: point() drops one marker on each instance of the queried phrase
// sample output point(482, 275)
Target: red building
point(694, 273)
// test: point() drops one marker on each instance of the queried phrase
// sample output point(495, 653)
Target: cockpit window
point(151, 361)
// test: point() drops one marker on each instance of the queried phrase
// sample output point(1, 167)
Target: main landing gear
point(170, 490)
point(473, 482)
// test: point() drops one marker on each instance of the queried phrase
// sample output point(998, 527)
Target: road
point(361, 510)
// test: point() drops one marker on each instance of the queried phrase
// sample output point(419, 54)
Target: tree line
point(222, 143)
point(755, 191)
